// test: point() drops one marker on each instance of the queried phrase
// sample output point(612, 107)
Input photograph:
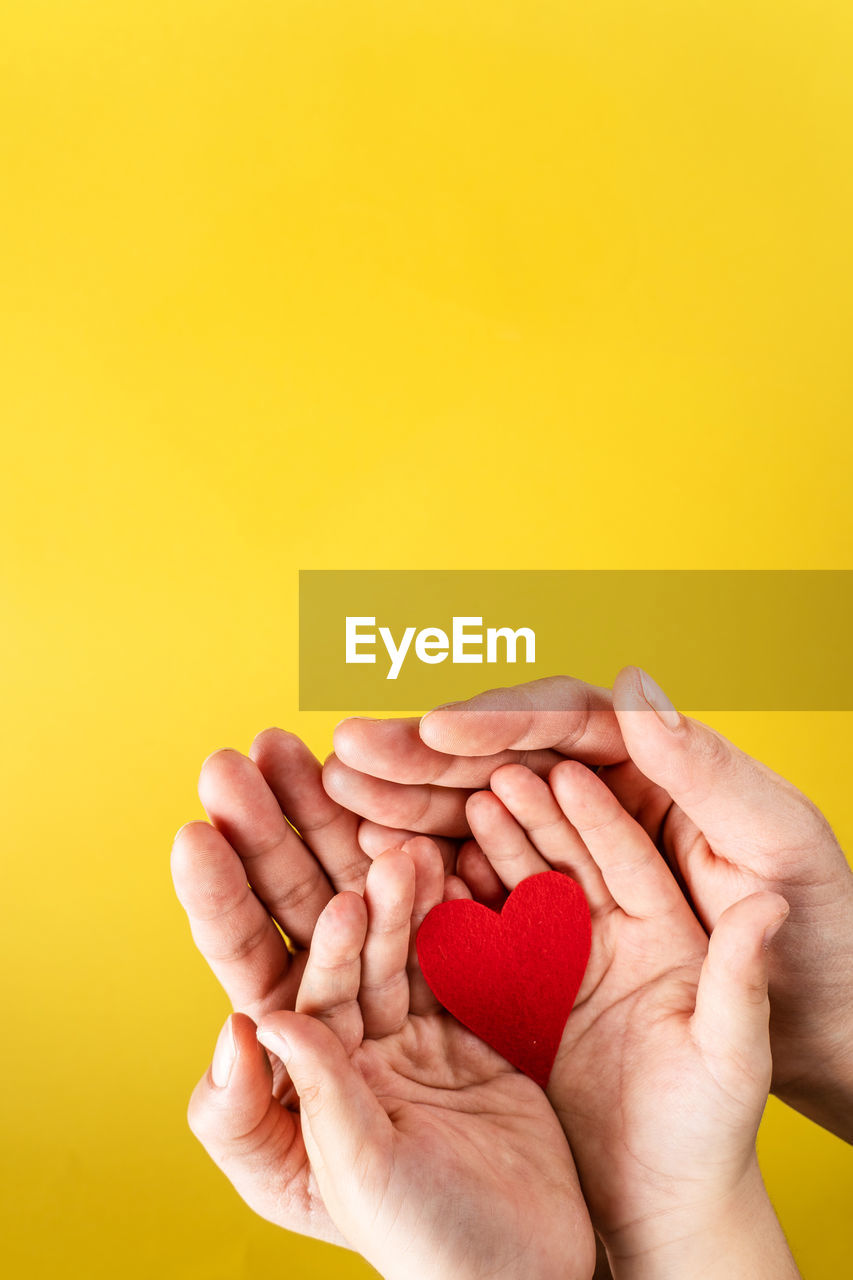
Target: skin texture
point(417, 775)
point(666, 1053)
point(727, 826)
point(408, 1138)
point(293, 877)
point(248, 867)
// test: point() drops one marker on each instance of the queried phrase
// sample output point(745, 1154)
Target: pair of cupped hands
point(343, 1103)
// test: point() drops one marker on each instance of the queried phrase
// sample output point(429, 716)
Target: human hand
point(251, 803)
point(412, 775)
point(432, 1156)
point(727, 825)
point(664, 1065)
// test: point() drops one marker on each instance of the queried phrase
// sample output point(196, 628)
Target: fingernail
point(442, 706)
point(658, 701)
point(276, 1043)
point(772, 929)
point(224, 1056)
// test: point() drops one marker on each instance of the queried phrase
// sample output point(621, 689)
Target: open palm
point(644, 1028)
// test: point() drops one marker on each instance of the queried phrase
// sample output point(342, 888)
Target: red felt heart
point(511, 978)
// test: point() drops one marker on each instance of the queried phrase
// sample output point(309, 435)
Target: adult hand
point(248, 868)
point(409, 775)
point(728, 826)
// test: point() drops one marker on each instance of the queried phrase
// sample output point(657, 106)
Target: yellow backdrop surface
point(363, 284)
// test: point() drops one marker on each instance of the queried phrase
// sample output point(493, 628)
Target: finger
point(531, 802)
point(511, 855)
point(394, 750)
point(678, 840)
point(636, 875)
point(295, 777)
point(427, 808)
point(390, 896)
point(347, 1133)
point(646, 802)
point(735, 801)
point(282, 872)
point(455, 890)
point(557, 713)
point(375, 839)
point(484, 884)
point(731, 1020)
point(429, 892)
point(231, 928)
point(253, 1139)
point(329, 987)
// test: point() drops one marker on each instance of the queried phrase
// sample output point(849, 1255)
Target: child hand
point(426, 1150)
point(664, 1066)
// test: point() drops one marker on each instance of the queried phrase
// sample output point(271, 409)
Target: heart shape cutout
point(511, 978)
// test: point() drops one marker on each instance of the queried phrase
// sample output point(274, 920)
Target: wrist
point(733, 1235)
point(823, 1089)
point(811, 1012)
point(813, 1061)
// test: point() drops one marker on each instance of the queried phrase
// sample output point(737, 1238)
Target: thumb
point(346, 1130)
point(731, 1019)
point(735, 800)
point(557, 712)
point(246, 1131)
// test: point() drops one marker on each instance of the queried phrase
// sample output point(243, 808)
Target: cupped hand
point(275, 851)
point(730, 827)
point(664, 1065)
point(412, 1140)
point(727, 825)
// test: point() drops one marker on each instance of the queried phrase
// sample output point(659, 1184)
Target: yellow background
point(310, 284)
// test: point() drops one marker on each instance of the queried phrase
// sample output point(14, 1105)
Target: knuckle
point(216, 897)
point(714, 753)
point(350, 874)
point(237, 944)
point(706, 759)
point(297, 893)
point(382, 985)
